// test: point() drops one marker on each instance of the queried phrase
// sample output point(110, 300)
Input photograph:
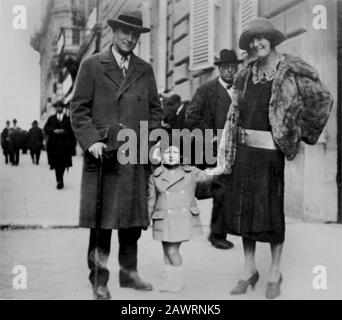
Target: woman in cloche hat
point(279, 102)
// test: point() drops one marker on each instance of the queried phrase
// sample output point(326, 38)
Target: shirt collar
point(118, 57)
point(223, 84)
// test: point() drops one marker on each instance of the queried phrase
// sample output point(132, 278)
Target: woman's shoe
point(242, 286)
point(273, 288)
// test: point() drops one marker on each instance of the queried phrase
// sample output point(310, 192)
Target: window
point(248, 10)
point(202, 37)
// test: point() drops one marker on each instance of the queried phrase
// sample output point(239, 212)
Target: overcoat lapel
point(110, 67)
point(222, 94)
point(134, 72)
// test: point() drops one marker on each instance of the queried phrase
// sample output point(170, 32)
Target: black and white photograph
point(171, 151)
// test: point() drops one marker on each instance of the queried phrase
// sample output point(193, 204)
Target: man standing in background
point(61, 143)
point(5, 141)
point(14, 143)
point(208, 110)
point(35, 140)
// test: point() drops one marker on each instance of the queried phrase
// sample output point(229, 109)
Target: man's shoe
point(60, 185)
point(131, 279)
point(220, 243)
point(101, 293)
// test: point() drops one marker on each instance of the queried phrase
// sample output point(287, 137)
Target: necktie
point(229, 86)
point(123, 66)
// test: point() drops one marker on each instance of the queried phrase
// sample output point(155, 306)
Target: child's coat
point(172, 204)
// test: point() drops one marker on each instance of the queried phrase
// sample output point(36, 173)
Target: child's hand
point(156, 155)
point(215, 172)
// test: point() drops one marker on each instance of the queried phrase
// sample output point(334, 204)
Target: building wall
point(57, 14)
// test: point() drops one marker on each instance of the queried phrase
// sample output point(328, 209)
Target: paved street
point(55, 258)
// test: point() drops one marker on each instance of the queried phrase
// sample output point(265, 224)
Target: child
point(173, 209)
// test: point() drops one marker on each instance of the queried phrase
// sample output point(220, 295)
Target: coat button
point(169, 211)
point(167, 192)
point(184, 210)
point(182, 191)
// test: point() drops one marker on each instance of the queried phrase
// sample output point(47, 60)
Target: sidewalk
point(55, 259)
point(29, 196)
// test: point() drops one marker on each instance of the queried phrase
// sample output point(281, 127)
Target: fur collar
point(290, 63)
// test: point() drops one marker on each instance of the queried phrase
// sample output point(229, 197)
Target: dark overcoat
point(35, 139)
point(209, 107)
point(208, 110)
point(14, 139)
point(60, 147)
point(104, 102)
point(5, 140)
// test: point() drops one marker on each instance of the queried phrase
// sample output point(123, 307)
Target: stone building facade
point(63, 30)
point(185, 39)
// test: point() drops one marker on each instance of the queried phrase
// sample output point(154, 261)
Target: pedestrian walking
point(5, 141)
point(114, 90)
point(35, 139)
point(208, 110)
point(280, 101)
point(14, 143)
point(174, 211)
point(61, 143)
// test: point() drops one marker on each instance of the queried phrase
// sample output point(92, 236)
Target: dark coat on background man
point(35, 138)
point(104, 102)
point(15, 140)
point(208, 110)
point(209, 107)
point(5, 140)
point(60, 147)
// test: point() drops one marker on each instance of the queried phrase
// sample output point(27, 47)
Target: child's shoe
point(177, 283)
point(166, 279)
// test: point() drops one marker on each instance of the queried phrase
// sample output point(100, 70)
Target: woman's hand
point(215, 171)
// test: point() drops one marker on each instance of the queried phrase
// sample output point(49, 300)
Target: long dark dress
point(256, 187)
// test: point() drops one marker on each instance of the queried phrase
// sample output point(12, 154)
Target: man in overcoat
point(114, 90)
point(208, 110)
point(5, 141)
point(61, 143)
point(14, 143)
point(35, 139)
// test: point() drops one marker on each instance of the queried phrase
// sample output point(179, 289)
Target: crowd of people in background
point(15, 140)
point(60, 142)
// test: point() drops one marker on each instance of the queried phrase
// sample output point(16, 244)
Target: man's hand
point(59, 131)
point(97, 149)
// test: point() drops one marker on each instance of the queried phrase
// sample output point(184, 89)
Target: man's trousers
point(128, 252)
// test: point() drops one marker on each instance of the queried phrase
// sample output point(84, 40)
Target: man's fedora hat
point(227, 56)
point(131, 19)
point(260, 27)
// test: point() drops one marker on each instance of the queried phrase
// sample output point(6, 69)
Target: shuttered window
point(202, 35)
point(248, 10)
